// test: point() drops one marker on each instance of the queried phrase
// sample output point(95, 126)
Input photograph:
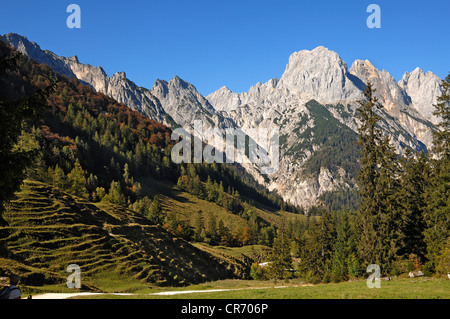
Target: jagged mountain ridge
point(319, 75)
point(179, 99)
point(322, 76)
point(117, 86)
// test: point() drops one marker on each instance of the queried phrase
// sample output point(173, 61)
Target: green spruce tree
point(379, 216)
point(280, 259)
point(155, 213)
point(369, 140)
point(77, 181)
point(437, 194)
point(414, 176)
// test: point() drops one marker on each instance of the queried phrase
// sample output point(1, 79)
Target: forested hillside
point(100, 150)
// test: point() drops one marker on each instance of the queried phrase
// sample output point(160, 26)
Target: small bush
point(33, 279)
point(443, 260)
point(257, 272)
point(428, 268)
point(413, 263)
point(326, 277)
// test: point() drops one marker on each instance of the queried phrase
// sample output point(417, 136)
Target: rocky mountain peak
point(160, 86)
point(181, 100)
point(178, 82)
point(423, 89)
point(316, 60)
point(391, 96)
point(224, 99)
point(73, 59)
point(21, 43)
point(176, 86)
point(120, 74)
point(224, 89)
point(364, 68)
point(321, 74)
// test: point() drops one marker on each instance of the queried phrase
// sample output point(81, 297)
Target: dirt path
point(75, 294)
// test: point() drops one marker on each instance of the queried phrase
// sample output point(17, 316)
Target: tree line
point(403, 220)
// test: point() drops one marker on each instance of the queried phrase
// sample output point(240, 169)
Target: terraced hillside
point(49, 229)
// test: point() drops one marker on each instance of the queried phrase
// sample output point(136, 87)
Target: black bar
point(225, 308)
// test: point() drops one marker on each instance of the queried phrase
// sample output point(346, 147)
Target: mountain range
point(313, 105)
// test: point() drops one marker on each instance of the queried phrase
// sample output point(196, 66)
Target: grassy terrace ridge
point(117, 249)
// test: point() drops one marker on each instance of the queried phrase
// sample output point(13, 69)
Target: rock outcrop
point(423, 89)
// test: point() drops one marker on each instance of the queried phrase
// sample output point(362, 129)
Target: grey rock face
point(391, 96)
point(321, 75)
point(185, 105)
point(423, 88)
point(395, 100)
point(224, 99)
point(318, 74)
point(181, 99)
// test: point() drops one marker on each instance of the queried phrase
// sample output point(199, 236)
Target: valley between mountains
point(313, 104)
point(101, 190)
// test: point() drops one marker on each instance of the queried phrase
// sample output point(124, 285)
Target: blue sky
point(233, 43)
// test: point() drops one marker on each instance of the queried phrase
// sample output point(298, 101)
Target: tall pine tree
point(77, 180)
point(280, 257)
point(369, 139)
point(414, 177)
point(318, 249)
point(378, 220)
point(389, 231)
point(437, 214)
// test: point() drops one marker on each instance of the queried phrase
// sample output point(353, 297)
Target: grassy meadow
point(399, 288)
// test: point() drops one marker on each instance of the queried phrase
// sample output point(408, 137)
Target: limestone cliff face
point(388, 93)
point(320, 74)
point(184, 103)
point(395, 100)
point(423, 88)
point(316, 94)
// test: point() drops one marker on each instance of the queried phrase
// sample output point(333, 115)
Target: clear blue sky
point(234, 43)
